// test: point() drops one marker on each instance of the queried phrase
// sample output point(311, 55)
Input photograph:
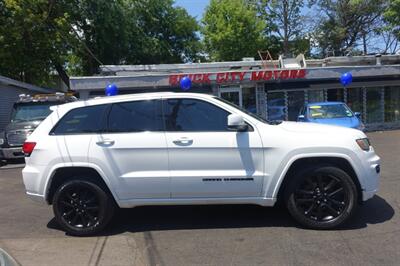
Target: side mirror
point(236, 123)
point(301, 118)
point(358, 114)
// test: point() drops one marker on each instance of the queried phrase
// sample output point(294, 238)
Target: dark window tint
point(136, 116)
point(194, 115)
point(82, 120)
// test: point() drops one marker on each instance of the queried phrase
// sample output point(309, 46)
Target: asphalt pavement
point(208, 235)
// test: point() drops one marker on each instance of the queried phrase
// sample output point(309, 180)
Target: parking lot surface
point(208, 235)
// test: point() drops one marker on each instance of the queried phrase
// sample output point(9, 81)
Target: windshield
point(329, 111)
point(243, 110)
point(30, 111)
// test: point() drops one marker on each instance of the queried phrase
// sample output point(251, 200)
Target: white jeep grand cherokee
point(89, 157)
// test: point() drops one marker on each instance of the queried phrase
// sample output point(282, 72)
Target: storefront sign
point(227, 77)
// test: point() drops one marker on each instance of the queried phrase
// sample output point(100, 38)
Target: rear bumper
point(34, 185)
point(11, 153)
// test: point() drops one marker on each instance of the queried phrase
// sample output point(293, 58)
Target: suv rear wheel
point(82, 207)
point(321, 197)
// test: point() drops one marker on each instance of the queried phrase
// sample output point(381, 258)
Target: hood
point(319, 129)
point(352, 122)
point(26, 125)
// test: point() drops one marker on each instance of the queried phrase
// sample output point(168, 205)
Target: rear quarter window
point(90, 119)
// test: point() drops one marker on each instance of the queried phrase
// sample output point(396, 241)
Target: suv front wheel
point(82, 207)
point(321, 197)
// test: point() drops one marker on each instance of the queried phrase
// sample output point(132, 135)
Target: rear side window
point(136, 116)
point(194, 115)
point(82, 120)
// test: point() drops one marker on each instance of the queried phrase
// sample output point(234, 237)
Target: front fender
point(279, 174)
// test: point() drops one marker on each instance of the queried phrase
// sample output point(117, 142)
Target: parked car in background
point(89, 157)
point(26, 115)
point(331, 113)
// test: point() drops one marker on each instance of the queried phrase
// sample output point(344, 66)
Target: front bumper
point(366, 195)
point(11, 153)
point(371, 176)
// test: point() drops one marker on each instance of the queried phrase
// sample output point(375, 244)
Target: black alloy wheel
point(322, 197)
point(82, 207)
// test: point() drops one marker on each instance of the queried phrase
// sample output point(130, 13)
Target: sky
point(194, 7)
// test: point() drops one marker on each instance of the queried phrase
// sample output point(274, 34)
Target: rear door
point(205, 158)
point(73, 133)
point(133, 150)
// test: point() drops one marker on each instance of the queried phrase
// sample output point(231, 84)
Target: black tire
point(321, 197)
point(82, 207)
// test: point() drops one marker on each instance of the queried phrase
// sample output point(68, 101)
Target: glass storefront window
point(249, 99)
point(315, 96)
point(335, 95)
point(295, 103)
point(355, 99)
point(276, 106)
point(392, 104)
point(374, 111)
point(232, 96)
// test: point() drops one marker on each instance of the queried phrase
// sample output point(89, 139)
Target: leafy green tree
point(161, 33)
point(98, 33)
point(40, 37)
point(232, 30)
point(284, 19)
point(345, 24)
point(392, 16)
point(31, 39)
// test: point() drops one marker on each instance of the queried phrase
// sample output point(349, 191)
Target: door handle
point(105, 142)
point(183, 142)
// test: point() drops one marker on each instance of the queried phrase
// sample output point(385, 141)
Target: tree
point(161, 33)
point(344, 24)
point(284, 18)
point(392, 16)
point(232, 30)
point(39, 37)
point(31, 39)
point(131, 32)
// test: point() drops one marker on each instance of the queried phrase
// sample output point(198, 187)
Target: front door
point(231, 94)
point(134, 150)
point(207, 160)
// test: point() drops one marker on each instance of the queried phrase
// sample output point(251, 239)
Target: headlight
point(364, 144)
point(1, 141)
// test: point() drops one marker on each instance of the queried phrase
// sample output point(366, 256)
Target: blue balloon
point(346, 78)
point(185, 83)
point(111, 90)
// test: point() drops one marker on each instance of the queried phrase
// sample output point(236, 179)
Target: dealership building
point(274, 89)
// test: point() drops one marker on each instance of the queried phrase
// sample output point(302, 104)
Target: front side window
point(82, 120)
point(194, 115)
point(137, 116)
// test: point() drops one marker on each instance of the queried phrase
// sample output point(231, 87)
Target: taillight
point(28, 147)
